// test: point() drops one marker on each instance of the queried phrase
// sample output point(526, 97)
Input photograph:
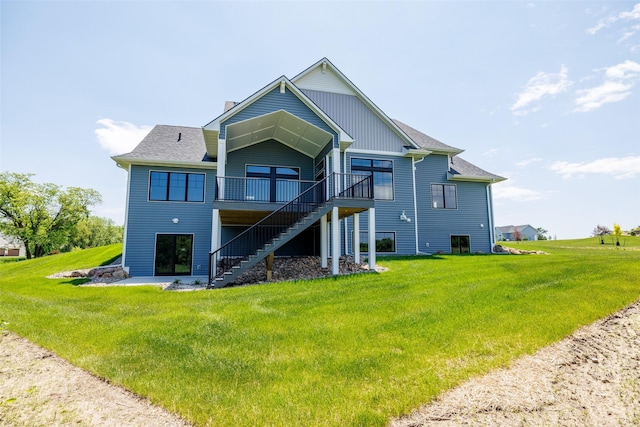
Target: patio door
point(173, 254)
point(277, 184)
point(460, 245)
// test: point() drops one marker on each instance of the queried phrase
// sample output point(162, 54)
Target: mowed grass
point(354, 350)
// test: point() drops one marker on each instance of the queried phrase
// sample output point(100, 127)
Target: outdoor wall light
point(175, 220)
point(481, 225)
point(404, 217)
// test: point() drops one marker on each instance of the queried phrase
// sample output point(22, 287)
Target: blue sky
point(546, 94)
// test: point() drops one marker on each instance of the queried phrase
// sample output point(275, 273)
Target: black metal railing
point(240, 189)
point(247, 243)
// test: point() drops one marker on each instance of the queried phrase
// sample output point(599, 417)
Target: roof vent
point(179, 136)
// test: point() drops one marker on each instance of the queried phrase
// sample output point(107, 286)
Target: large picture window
point(176, 187)
point(443, 196)
point(385, 241)
point(382, 171)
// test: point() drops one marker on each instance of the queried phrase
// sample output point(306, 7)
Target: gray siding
point(388, 211)
point(146, 219)
point(306, 243)
point(275, 101)
point(269, 153)
point(352, 115)
point(435, 226)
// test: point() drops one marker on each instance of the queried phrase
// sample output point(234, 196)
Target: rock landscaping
point(499, 249)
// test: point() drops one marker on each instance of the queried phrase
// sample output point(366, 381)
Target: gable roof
point(461, 170)
point(341, 84)
point(508, 229)
point(212, 129)
point(169, 145)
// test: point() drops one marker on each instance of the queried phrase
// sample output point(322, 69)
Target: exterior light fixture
point(404, 217)
point(175, 220)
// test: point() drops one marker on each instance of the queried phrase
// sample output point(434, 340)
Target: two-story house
point(304, 166)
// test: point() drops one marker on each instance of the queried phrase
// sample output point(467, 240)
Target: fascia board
point(362, 97)
point(452, 177)
point(124, 162)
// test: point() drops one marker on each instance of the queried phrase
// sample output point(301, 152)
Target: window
point(460, 245)
point(443, 196)
point(385, 241)
point(176, 186)
point(382, 171)
point(272, 183)
point(174, 253)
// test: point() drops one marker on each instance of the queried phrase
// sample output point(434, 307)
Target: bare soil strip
point(591, 378)
point(38, 388)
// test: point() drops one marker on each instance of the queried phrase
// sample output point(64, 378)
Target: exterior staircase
point(279, 227)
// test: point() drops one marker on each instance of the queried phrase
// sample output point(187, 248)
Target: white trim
point(128, 161)
point(415, 201)
point(492, 237)
point(374, 152)
point(356, 238)
point(324, 242)
point(126, 222)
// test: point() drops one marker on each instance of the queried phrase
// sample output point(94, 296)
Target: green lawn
point(347, 351)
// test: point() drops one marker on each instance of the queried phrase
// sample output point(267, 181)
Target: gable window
point(176, 187)
point(460, 245)
point(382, 171)
point(443, 196)
point(385, 241)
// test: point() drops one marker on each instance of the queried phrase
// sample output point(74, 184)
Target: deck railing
point(257, 236)
point(240, 189)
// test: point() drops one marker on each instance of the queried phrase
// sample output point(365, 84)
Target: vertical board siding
point(352, 115)
point(274, 101)
point(269, 153)
point(435, 226)
point(388, 211)
point(146, 219)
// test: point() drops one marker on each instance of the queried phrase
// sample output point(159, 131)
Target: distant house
point(506, 232)
point(304, 166)
point(10, 246)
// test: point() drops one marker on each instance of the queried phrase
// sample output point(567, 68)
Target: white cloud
point(619, 79)
point(528, 161)
point(120, 137)
point(541, 85)
point(632, 15)
point(508, 191)
point(596, 97)
point(620, 167)
point(625, 70)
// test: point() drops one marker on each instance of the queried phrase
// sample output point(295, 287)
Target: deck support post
point(372, 238)
point(324, 243)
point(335, 241)
point(356, 238)
point(269, 261)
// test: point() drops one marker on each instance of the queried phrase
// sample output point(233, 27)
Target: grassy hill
point(353, 350)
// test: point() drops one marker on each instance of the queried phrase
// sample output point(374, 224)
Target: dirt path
point(38, 388)
point(589, 379)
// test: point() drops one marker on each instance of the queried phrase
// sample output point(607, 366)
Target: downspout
point(490, 215)
point(415, 202)
point(344, 185)
point(126, 221)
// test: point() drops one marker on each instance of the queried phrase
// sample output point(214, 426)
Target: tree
point(617, 232)
point(635, 231)
point(542, 233)
point(94, 231)
point(601, 230)
point(41, 215)
point(517, 235)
